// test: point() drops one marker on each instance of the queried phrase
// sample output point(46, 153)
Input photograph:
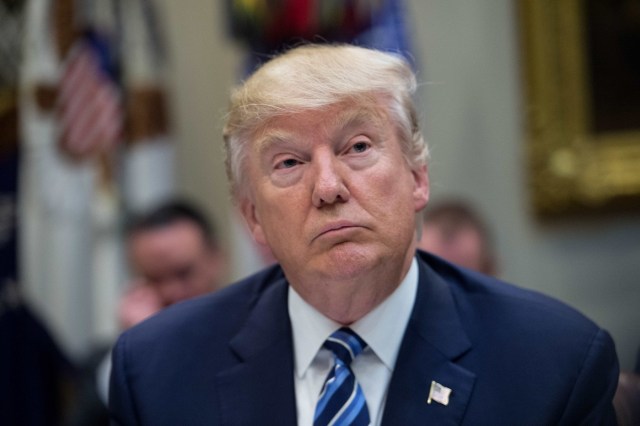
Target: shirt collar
point(382, 328)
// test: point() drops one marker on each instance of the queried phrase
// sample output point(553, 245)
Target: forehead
point(172, 235)
point(329, 120)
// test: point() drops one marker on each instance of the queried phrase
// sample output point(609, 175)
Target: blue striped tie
point(341, 401)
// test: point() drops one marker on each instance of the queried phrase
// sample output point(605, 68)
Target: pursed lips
point(335, 226)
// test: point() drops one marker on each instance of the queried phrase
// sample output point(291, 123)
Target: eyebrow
point(272, 137)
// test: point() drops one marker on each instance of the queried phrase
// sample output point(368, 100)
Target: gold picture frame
point(571, 167)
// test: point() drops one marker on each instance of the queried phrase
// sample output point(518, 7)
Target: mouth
point(336, 228)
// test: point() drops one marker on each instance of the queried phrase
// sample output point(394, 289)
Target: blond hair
point(315, 77)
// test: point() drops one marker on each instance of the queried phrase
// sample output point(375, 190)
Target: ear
point(421, 188)
point(248, 209)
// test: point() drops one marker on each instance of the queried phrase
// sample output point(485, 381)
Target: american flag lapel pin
point(439, 393)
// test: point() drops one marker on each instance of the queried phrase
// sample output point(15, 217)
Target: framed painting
point(581, 72)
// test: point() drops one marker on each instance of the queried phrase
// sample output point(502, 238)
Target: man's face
point(175, 261)
point(463, 247)
point(334, 198)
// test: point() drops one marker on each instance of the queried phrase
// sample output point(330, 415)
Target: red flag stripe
point(89, 105)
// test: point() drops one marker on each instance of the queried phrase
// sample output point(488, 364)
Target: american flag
point(439, 393)
point(89, 100)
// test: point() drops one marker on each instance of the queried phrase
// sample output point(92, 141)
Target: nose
point(329, 186)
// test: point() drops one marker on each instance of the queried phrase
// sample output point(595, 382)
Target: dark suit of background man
point(329, 168)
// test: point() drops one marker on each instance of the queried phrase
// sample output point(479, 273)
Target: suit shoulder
point(491, 299)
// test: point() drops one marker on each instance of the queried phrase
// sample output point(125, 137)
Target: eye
point(287, 164)
point(360, 147)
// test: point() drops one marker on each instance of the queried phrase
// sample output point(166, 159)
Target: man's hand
point(139, 303)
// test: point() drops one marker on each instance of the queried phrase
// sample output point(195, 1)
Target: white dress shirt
point(382, 329)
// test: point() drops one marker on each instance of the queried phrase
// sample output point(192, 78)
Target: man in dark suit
point(353, 326)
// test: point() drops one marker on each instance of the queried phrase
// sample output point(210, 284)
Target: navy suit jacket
point(510, 357)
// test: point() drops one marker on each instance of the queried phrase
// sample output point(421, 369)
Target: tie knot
point(345, 344)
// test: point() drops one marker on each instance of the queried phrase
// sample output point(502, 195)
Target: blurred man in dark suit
point(174, 256)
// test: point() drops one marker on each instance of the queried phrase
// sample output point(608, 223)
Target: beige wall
point(202, 67)
point(472, 115)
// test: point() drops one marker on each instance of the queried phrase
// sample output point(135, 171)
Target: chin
point(348, 260)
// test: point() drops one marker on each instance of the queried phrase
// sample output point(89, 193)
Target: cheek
point(281, 214)
point(391, 190)
point(390, 199)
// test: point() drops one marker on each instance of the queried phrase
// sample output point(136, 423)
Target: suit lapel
point(260, 388)
point(434, 339)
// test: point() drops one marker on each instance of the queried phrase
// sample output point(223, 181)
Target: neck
point(345, 301)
